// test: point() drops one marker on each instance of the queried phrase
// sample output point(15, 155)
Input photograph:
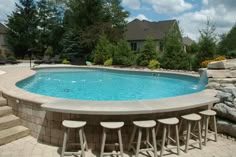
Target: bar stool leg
point(147, 137)
point(64, 142)
point(81, 142)
point(157, 128)
point(215, 128)
point(163, 141)
point(138, 141)
point(85, 140)
point(188, 136)
point(168, 135)
point(206, 130)
point(132, 138)
point(120, 143)
point(177, 139)
point(103, 142)
point(154, 142)
point(199, 134)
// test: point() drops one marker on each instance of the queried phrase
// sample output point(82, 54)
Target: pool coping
point(91, 107)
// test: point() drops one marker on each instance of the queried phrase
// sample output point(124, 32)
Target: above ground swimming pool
point(104, 84)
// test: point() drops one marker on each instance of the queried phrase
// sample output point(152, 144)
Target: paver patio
point(30, 147)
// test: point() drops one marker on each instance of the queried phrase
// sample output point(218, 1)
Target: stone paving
point(30, 147)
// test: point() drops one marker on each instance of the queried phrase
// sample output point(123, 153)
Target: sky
point(192, 15)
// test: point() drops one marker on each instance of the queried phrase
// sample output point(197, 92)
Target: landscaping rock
point(216, 65)
point(226, 127)
point(228, 103)
point(231, 90)
point(225, 111)
point(228, 85)
point(213, 85)
point(219, 73)
point(223, 96)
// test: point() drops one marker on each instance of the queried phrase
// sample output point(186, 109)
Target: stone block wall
point(222, 77)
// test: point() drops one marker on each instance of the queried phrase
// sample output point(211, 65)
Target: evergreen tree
point(22, 24)
point(122, 54)
point(227, 44)
point(207, 43)
point(49, 25)
point(148, 53)
point(102, 51)
point(92, 18)
point(174, 56)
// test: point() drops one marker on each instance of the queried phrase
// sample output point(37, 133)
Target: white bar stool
point(71, 124)
point(207, 115)
point(167, 123)
point(147, 124)
point(112, 126)
point(194, 119)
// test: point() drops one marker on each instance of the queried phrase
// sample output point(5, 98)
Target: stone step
point(12, 134)
point(5, 110)
point(3, 102)
point(9, 121)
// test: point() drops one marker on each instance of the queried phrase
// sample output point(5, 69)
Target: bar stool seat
point(208, 113)
point(207, 116)
point(71, 124)
point(112, 126)
point(192, 117)
point(140, 125)
point(167, 123)
point(196, 120)
point(145, 123)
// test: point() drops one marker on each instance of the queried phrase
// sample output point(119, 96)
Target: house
point(187, 42)
point(3, 45)
point(138, 31)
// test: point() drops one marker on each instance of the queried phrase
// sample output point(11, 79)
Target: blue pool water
point(92, 84)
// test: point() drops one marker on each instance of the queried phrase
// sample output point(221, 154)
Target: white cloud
point(139, 16)
point(6, 7)
point(169, 6)
point(219, 14)
point(132, 4)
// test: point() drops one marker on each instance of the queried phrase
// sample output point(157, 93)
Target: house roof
point(187, 41)
point(139, 30)
point(3, 29)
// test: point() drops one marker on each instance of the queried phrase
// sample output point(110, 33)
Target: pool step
point(9, 121)
point(14, 133)
point(5, 110)
point(3, 102)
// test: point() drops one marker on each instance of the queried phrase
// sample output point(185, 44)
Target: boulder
point(213, 85)
point(231, 90)
point(225, 111)
point(226, 127)
point(228, 103)
point(223, 96)
point(224, 64)
point(216, 65)
point(219, 73)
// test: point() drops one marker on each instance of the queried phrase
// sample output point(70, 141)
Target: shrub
point(49, 51)
point(65, 61)
point(108, 62)
point(122, 54)
point(206, 62)
point(147, 53)
point(153, 64)
point(11, 58)
point(231, 54)
point(102, 50)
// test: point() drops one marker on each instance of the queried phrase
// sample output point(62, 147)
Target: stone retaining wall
point(222, 77)
point(47, 126)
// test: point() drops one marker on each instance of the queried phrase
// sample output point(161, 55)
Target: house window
point(133, 46)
